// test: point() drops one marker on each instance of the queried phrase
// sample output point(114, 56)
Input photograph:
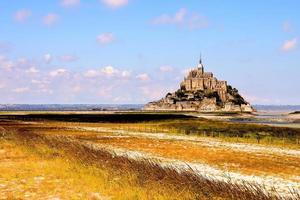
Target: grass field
point(176, 123)
point(36, 171)
point(162, 156)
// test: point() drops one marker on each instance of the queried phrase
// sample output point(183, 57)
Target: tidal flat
point(101, 155)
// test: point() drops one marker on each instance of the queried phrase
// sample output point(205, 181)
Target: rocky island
point(201, 91)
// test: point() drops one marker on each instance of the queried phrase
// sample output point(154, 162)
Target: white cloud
point(21, 90)
point(42, 85)
point(52, 85)
point(22, 15)
point(182, 18)
point(5, 63)
point(69, 3)
point(105, 38)
point(50, 19)
point(22, 61)
point(91, 73)
point(289, 44)
point(68, 58)
point(143, 77)
point(125, 74)
point(58, 72)
point(47, 58)
point(177, 18)
point(109, 71)
point(196, 21)
point(32, 70)
point(166, 68)
point(115, 3)
point(34, 81)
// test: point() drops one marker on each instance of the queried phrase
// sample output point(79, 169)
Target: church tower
point(200, 66)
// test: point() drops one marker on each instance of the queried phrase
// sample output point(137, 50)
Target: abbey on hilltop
point(201, 91)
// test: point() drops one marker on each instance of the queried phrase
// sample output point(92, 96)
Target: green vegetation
point(177, 123)
point(182, 95)
point(221, 129)
point(255, 132)
point(238, 99)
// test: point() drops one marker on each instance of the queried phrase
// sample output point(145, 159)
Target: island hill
point(201, 91)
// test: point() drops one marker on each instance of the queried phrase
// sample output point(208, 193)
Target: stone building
point(200, 91)
point(197, 80)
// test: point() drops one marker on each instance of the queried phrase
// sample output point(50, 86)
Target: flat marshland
point(145, 156)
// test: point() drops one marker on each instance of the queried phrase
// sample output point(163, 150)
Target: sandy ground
point(294, 116)
point(201, 141)
point(282, 185)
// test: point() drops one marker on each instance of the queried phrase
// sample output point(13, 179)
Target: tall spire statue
point(200, 65)
point(200, 61)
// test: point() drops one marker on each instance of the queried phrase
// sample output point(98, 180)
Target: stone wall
point(197, 79)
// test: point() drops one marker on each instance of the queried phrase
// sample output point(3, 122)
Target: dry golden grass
point(248, 163)
point(181, 127)
point(51, 167)
point(160, 127)
point(251, 163)
point(151, 180)
point(45, 173)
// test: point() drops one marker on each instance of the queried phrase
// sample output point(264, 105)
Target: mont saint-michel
point(201, 91)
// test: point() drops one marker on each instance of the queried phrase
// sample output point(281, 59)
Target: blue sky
point(134, 51)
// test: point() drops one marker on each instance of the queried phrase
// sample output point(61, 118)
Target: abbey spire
point(200, 65)
point(200, 61)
